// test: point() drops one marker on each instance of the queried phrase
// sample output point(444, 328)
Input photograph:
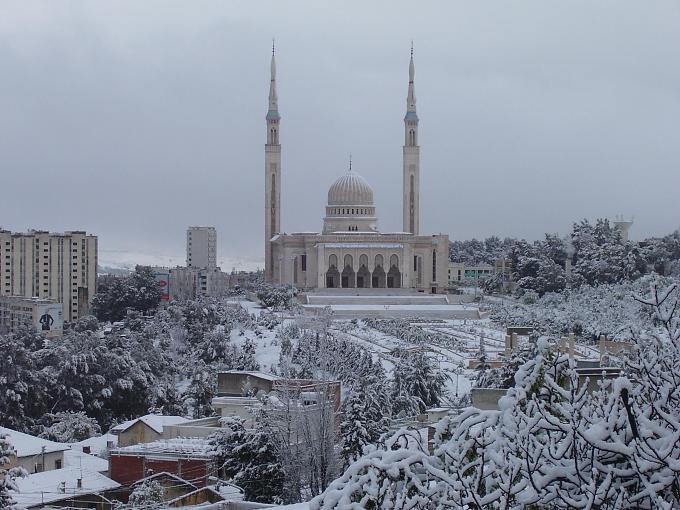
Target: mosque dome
point(350, 189)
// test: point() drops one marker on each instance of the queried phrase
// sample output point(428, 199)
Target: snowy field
point(456, 345)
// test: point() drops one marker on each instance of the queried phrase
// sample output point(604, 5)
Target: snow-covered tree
point(554, 444)
point(8, 476)
point(416, 380)
point(115, 295)
point(201, 390)
point(148, 495)
point(245, 357)
point(366, 417)
point(70, 427)
point(248, 458)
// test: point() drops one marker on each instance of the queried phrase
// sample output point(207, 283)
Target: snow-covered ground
point(457, 343)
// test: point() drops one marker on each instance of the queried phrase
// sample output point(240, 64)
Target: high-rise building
point(61, 267)
point(202, 247)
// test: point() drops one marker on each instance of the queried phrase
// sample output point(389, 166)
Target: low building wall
point(487, 399)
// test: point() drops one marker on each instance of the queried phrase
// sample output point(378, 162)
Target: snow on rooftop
point(27, 445)
point(98, 444)
point(176, 446)
point(155, 421)
point(59, 484)
point(261, 375)
point(76, 458)
point(229, 492)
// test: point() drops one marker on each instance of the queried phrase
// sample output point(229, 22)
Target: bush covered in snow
point(554, 443)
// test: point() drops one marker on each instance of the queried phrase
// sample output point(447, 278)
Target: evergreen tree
point(417, 384)
point(366, 416)
point(8, 476)
point(115, 295)
point(202, 388)
point(245, 358)
point(69, 427)
point(148, 495)
point(248, 458)
point(353, 429)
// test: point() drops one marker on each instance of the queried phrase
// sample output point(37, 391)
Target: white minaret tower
point(411, 199)
point(272, 175)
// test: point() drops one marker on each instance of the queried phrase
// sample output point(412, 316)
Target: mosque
point(350, 252)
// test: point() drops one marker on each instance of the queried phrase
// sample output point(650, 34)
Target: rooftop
point(261, 375)
point(179, 446)
point(77, 459)
point(59, 484)
point(27, 445)
point(155, 421)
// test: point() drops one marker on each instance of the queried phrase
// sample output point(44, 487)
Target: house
point(35, 454)
point(238, 383)
point(186, 458)
point(237, 387)
point(145, 429)
point(65, 487)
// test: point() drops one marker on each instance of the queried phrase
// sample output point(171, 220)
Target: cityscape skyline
point(153, 130)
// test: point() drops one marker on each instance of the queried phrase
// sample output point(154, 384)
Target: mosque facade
point(350, 252)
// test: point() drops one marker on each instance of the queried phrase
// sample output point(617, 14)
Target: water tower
point(623, 226)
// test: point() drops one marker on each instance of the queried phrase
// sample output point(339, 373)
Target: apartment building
point(61, 267)
point(202, 247)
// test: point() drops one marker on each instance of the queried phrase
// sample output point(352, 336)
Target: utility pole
point(43, 457)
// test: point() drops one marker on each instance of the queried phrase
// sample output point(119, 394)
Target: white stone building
point(350, 251)
point(202, 247)
point(57, 266)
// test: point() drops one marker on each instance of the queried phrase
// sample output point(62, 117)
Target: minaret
point(411, 199)
point(272, 174)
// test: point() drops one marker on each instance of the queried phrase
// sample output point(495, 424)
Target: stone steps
point(425, 299)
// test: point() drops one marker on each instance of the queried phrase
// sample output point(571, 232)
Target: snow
point(155, 421)
point(27, 445)
point(228, 491)
point(45, 487)
point(98, 444)
point(123, 259)
point(413, 308)
point(259, 375)
point(175, 446)
point(76, 458)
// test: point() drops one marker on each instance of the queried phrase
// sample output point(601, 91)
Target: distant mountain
point(121, 262)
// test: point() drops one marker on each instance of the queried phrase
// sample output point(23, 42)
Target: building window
point(434, 265)
point(303, 262)
point(57, 464)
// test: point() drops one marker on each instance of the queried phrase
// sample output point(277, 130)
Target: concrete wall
point(51, 459)
point(487, 398)
point(233, 384)
point(140, 432)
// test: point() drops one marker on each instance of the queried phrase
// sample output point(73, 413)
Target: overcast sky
point(133, 120)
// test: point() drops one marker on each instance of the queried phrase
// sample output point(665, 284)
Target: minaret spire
point(411, 190)
point(411, 98)
point(273, 98)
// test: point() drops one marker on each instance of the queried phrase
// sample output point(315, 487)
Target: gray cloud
point(135, 119)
